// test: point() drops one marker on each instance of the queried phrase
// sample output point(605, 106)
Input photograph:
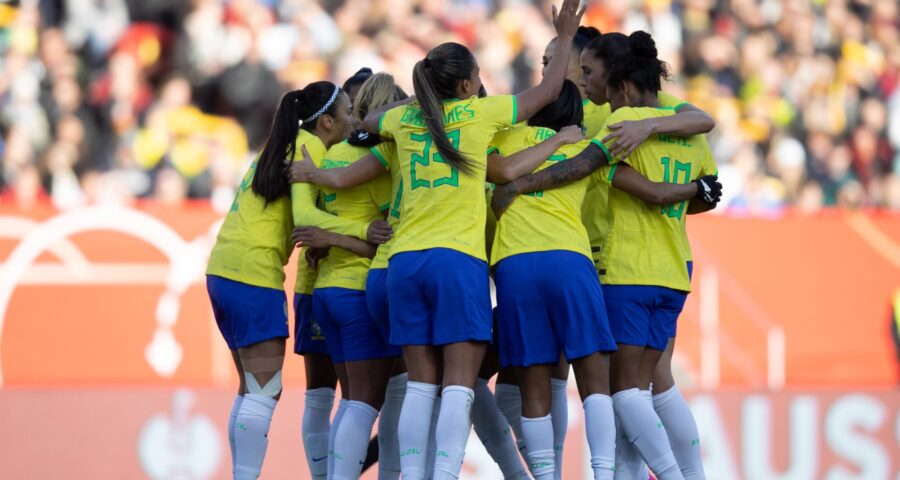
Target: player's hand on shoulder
point(301, 171)
point(628, 135)
point(569, 135)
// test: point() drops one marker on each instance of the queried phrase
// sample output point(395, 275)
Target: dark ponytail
point(435, 79)
point(269, 180)
point(641, 67)
point(567, 109)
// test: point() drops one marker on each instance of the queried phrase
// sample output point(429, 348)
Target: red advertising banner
point(111, 365)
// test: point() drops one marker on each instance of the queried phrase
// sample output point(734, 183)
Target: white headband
point(324, 107)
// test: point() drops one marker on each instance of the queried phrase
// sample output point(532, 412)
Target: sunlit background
point(125, 126)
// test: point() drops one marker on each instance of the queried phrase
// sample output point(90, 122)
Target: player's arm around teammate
point(646, 271)
point(245, 275)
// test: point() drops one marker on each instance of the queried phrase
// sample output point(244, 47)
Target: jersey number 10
point(675, 210)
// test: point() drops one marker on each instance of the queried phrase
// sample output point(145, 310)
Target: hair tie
point(324, 107)
point(426, 62)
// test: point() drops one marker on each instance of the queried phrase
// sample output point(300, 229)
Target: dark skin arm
point(562, 173)
point(630, 134)
point(502, 169)
point(630, 181)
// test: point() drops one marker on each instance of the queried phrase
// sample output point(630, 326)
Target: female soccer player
point(509, 398)
point(441, 145)
point(688, 120)
point(538, 239)
point(646, 259)
point(339, 298)
point(491, 427)
point(245, 276)
point(540, 236)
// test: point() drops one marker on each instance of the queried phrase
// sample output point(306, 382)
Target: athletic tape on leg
point(271, 389)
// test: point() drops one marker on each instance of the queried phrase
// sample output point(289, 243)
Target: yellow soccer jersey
point(363, 203)
point(542, 220)
point(647, 244)
point(386, 153)
point(441, 206)
point(490, 223)
point(304, 204)
point(594, 215)
point(254, 242)
point(594, 117)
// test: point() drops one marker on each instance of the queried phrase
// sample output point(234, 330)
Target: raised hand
point(567, 18)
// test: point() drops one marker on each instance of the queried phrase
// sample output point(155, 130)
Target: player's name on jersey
point(674, 139)
point(459, 113)
point(329, 163)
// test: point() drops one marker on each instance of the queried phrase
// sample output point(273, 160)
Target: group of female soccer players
point(592, 173)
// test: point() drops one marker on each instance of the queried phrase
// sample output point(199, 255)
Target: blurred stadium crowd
point(117, 100)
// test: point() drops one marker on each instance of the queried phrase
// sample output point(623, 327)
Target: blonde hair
point(377, 91)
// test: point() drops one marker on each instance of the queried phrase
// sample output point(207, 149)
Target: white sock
point(629, 464)
point(682, 430)
point(251, 430)
point(509, 402)
point(452, 432)
point(645, 430)
point(559, 410)
point(315, 430)
point(332, 432)
point(413, 438)
point(351, 443)
point(600, 427)
point(388, 419)
point(538, 433)
point(432, 444)
point(232, 417)
point(493, 431)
